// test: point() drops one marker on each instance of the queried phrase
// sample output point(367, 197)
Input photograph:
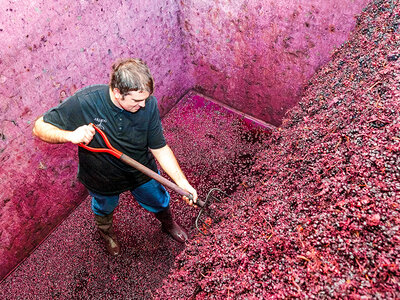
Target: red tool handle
point(133, 163)
point(111, 150)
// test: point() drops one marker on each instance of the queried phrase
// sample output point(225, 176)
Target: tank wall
point(49, 49)
point(256, 55)
point(251, 55)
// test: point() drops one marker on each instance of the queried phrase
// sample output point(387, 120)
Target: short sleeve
point(66, 115)
point(155, 137)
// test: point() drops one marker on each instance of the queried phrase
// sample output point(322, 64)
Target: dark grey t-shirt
point(130, 133)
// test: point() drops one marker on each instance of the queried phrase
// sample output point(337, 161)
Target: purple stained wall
point(252, 55)
point(256, 55)
point(48, 50)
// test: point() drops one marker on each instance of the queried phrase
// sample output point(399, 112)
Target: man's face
point(133, 101)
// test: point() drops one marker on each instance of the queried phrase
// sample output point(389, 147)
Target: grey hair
point(131, 74)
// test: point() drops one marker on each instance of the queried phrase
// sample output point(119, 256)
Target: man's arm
point(52, 134)
point(170, 165)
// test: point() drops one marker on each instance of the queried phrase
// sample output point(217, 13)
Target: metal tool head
point(208, 215)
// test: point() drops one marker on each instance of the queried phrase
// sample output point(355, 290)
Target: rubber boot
point(104, 225)
point(170, 226)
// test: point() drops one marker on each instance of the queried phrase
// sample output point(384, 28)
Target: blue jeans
point(151, 195)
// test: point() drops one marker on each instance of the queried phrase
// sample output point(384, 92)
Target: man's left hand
point(187, 187)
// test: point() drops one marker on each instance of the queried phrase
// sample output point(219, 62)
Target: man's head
point(131, 74)
point(131, 84)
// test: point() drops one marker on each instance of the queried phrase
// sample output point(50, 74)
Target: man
point(127, 112)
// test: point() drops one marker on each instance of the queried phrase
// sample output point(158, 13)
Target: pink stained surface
point(49, 49)
point(256, 55)
point(321, 216)
point(216, 148)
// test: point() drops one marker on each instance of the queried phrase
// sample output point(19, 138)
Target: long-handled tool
point(204, 218)
point(133, 163)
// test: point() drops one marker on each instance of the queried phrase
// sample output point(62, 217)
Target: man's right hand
point(83, 134)
point(52, 134)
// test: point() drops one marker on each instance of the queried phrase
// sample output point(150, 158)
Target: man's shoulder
point(152, 101)
point(93, 95)
point(92, 89)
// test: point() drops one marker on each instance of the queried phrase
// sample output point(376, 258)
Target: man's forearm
point(169, 164)
point(50, 133)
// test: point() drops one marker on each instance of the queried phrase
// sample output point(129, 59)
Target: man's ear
point(116, 92)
